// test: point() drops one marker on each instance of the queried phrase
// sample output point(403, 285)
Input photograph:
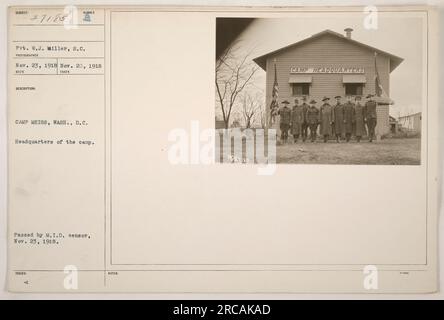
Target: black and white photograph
point(343, 88)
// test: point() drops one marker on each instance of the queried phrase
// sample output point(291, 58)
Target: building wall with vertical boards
point(411, 122)
point(329, 51)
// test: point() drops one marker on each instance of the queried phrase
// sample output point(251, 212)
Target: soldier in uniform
point(326, 119)
point(304, 128)
point(359, 119)
point(285, 120)
point(338, 118)
point(312, 119)
point(370, 115)
point(297, 120)
point(349, 118)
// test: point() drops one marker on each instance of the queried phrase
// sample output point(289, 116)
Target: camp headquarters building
point(330, 64)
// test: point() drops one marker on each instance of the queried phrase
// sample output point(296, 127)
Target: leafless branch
point(233, 76)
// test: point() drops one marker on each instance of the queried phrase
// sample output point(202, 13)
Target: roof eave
point(261, 62)
point(395, 62)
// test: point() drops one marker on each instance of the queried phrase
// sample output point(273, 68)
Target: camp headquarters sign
point(347, 70)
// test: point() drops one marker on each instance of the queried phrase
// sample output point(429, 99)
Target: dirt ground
point(383, 152)
point(390, 151)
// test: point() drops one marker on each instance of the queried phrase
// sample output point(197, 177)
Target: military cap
point(285, 102)
point(325, 98)
point(369, 96)
point(312, 101)
point(358, 97)
point(304, 98)
point(338, 97)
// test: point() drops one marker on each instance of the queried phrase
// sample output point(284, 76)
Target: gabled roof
point(410, 115)
point(394, 60)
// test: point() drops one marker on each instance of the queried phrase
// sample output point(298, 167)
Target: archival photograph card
point(222, 149)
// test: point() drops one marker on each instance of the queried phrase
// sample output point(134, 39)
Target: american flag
point(274, 97)
point(381, 96)
point(378, 87)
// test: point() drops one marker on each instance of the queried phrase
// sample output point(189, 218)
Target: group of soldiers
point(337, 121)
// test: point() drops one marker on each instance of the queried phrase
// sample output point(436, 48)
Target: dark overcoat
point(360, 120)
point(349, 117)
point(338, 118)
point(326, 118)
point(285, 114)
point(297, 119)
point(304, 109)
point(370, 109)
point(312, 115)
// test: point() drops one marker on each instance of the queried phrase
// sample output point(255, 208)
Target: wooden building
point(411, 122)
point(330, 64)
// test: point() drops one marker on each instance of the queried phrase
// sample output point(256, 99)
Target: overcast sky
point(399, 34)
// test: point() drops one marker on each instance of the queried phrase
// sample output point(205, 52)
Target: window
point(301, 89)
point(354, 89)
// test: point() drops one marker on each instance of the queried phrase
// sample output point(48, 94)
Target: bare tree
point(251, 108)
point(234, 72)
